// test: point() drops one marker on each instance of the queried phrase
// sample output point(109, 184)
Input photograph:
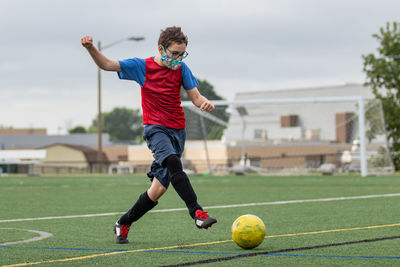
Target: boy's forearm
point(199, 100)
point(203, 103)
point(102, 61)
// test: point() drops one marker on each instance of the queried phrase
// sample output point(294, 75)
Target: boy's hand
point(87, 41)
point(207, 106)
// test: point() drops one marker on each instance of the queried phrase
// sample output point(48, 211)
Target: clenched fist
point(87, 41)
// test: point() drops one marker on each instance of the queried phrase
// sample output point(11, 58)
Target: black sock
point(180, 182)
point(142, 205)
point(182, 186)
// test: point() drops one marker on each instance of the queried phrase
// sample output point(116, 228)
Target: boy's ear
point(160, 50)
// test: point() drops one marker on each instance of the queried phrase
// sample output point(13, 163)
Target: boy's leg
point(142, 205)
point(183, 187)
point(145, 202)
point(181, 183)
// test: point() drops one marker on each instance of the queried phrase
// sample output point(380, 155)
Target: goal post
point(303, 116)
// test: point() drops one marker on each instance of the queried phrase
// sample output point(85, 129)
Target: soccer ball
point(248, 231)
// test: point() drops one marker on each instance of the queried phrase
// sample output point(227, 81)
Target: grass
point(170, 238)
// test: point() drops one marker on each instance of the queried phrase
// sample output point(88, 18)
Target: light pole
point(99, 116)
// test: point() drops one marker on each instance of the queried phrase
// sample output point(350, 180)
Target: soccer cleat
point(122, 233)
point(202, 220)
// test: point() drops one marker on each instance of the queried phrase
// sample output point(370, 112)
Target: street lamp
point(99, 116)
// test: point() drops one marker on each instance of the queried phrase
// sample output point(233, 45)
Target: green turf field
point(307, 222)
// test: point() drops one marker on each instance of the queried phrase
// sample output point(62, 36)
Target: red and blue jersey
point(161, 87)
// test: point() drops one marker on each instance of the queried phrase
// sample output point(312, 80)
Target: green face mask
point(170, 62)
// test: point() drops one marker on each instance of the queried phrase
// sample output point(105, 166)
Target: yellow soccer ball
point(248, 231)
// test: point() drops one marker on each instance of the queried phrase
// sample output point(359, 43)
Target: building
point(66, 158)
point(119, 160)
point(13, 131)
point(23, 140)
point(20, 161)
point(195, 158)
point(66, 153)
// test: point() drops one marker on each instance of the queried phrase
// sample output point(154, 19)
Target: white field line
point(42, 235)
point(209, 207)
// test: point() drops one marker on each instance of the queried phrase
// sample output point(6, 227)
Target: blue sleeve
point(133, 69)
point(188, 80)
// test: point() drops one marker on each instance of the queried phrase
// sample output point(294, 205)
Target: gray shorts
point(163, 142)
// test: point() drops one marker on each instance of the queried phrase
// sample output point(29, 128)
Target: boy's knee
point(173, 164)
point(179, 178)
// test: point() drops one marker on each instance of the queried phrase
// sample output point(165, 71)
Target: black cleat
point(202, 220)
point(122, 233)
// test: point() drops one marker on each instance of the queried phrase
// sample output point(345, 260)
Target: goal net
point(288, 136)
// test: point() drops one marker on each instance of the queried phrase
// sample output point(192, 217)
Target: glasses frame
point(183, 55)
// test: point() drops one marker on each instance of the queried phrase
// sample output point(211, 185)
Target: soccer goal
point(288, 136)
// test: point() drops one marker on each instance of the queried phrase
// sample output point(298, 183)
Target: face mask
point(170, 63)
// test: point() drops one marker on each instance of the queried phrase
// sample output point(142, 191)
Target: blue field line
point(80, 249)
point(216, 253)
point(112, 250)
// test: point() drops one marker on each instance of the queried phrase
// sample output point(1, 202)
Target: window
point(260, 134)
point(289, 121)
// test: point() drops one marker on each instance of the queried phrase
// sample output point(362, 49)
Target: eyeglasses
point(176, 55)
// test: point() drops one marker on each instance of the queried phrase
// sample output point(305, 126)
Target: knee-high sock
point(142, 205)
point(182, 186)
point(180, 182)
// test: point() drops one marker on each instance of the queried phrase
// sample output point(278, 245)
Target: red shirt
point(161, 96)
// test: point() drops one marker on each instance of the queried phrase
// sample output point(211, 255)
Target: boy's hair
point(172, 34)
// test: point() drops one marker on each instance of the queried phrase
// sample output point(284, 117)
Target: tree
point(5, 127)
point(122, 124)
point(373, 120)
point(78, 129)
point(193, 121)
point(383, 75)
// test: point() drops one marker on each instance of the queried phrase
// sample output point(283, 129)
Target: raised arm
point(102, 61)
point(200, 101)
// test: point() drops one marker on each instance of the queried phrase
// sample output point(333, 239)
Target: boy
point(161, 78)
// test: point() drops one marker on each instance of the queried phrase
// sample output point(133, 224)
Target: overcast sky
point(47, 79)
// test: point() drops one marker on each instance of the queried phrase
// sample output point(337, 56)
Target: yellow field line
point(114, 253)
point(336, 230)
point(197, 244)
